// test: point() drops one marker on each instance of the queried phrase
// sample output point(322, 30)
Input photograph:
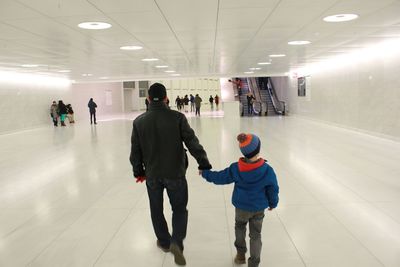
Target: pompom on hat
point(249, 144)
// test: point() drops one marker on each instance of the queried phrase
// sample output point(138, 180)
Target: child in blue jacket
point(256, 189)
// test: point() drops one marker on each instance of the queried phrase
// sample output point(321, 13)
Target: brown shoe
point(178, 254)
point(240, 258)
point(161, 247)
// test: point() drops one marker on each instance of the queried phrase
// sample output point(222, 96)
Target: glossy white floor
point(67, 197)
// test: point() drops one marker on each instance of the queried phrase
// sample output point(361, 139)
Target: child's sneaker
point(240, 258)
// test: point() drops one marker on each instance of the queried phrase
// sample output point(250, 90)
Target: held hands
point(140, 179)
point(270, 209)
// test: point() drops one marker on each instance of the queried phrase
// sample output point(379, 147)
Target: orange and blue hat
point(249, 144)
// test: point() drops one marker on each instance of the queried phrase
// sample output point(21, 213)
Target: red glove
point(140, 179)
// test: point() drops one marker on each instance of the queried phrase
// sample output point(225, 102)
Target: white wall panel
point(363, 96)
point(81, 93)
point(24, 105)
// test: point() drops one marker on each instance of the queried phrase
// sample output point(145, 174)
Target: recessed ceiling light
point(264, 63)
point(94, 25)
point(87, 74)
point(29, 65)
point(340, 17)
point(277, 55)
point(176, 74)
point(162, 66)
point(64, 71)
point(254, 68)
point(103, 78)
point(150, 59)
point(131, 47)
point(169, 71)
point(249, 72)
point(299, 42)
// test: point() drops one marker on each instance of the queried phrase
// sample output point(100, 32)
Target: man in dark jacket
point(92, 109)
point(158, 156)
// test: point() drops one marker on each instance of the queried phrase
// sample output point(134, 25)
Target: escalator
point(268, 95)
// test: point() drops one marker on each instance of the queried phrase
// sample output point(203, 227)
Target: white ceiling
point(194, 37)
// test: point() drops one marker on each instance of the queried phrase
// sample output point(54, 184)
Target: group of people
point(182, 103)
point(60, 111)
point(162, 164)
point(212, 100)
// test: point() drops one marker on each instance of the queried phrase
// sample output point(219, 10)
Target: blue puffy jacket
point(256, 187)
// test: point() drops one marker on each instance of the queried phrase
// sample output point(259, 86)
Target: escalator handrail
point(274, 96)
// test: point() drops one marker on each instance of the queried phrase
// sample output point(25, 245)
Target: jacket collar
point(250, 166)
point(157, 105)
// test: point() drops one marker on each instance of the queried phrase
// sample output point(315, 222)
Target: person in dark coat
point(92, 109)
point(192, 108)
point(147, 104)
point(211, 99)
point(250, 101)
point(159, 158)
point(197, 103)
point(216, 99)
point(186, 102)
point(62, 112)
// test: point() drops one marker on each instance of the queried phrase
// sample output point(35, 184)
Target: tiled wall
point(363, 96)
point(24, 105)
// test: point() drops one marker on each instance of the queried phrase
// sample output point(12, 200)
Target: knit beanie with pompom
point(249, 144)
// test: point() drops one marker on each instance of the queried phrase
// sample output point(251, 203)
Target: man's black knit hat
point(157, 92)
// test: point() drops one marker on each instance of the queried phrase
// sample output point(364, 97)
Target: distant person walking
point(70, 114)
point(192, 107)
point(211, 99)
point(147, 104)
point(178, 103)
point(186, 102)
point(62, 112)
point(250, 101)
point(92, 109)
point(216, 99)
point(239, 84)
point(197, 103)
point(54, 113)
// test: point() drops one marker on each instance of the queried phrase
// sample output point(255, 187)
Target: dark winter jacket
point(157, 144)
point(62, 109)
point(256, 187)
point(92, 106)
